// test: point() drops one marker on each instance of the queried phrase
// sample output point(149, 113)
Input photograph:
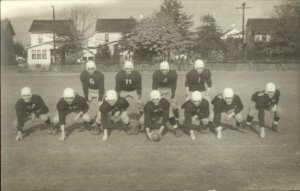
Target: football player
point(71, 103)
point(195, 112)
point(129, 84)
point(265, 100)
point(231, 105)
point(92, 82)
point(156, 113)
point(113, 109)
point(165, 81)
point(198, 79)
point(29, 107)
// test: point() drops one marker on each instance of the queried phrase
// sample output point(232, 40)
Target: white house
point(232, 33)
point(40, 52)
point(108, 31)
point(260, 30)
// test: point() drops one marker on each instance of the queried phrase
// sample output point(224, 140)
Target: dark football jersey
point(221, 106)
point(263, 101)
point(190, 110)
point(165, 81)
point(95, 81)
point(129, 82)
point(79, 104)
point(121, 105)
point(36, 105)
point(196, 81)
point(152, 111)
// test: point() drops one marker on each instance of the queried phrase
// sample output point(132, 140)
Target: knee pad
point(124, 117)
point(44, 117)
point(277, 112)
point(86, 117)
point(174, 105)
point(239, 117)
point(205, 121)
point(55, 119)
point(141, 120)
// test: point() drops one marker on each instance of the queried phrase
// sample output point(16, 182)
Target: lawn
point(240, 161)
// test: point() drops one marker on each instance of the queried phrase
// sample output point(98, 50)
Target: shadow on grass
point(32, 129)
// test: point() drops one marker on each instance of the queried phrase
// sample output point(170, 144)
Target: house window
point(258, 38)
point(264, 38)
point(33, 54)
point(106, 37)
point(44, 54)
point(39, 55)
point(40, 37)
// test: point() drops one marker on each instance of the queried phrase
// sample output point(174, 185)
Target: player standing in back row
point(129, 84)
point(198, 79)
point(165, 81)
point(92, 83)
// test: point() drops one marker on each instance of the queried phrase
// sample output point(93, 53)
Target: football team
point(160, 114)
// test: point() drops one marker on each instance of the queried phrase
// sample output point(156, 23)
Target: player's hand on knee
point(76, 118)
point(274, 109)
point(230, 115)
point(117, 114)
point(140, 105)
point(181, 120)
point(32, 116)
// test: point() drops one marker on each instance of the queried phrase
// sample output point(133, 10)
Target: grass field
point(84, 162)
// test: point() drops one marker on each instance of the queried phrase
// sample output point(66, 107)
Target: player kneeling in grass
point(232, 106)
point(195, 112)
point(265, 100)
point(71, 103)
point(29, 107)
point(129, 84)
point(92, 82)
point(156, 114)
point(113, 109)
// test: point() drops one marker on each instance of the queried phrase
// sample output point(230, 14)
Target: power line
point(243, 27)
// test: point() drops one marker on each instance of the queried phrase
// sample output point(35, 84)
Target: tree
point(158, 35)
point(286, 39)
point(207, 38)
point(83, 19)
point(103, 53)
point(183, 22)
point(19, 49)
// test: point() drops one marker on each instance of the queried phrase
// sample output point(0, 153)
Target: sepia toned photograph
point(150, 95)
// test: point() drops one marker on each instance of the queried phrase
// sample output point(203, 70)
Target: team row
point(161, 108)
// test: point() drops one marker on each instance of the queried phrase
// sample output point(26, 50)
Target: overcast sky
point(22, 13)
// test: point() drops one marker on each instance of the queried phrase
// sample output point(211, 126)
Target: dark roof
point(262, 25)
point(46, 26)
point(6, 24)
point(115, 25)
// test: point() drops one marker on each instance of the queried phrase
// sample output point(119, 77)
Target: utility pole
point(53, 30)
point(243, 29)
